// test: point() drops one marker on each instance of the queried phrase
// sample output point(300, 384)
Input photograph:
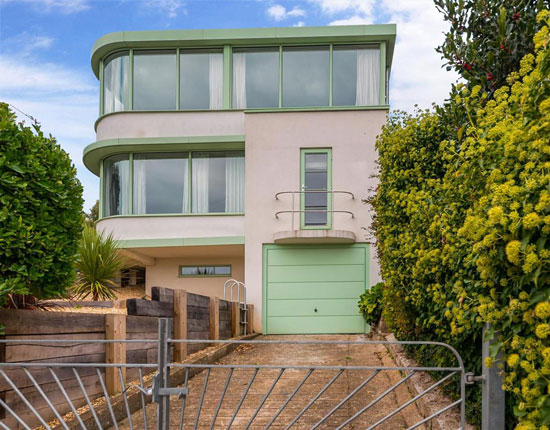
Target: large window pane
point(116, 82)
point(256, 78)
point(217, 182)
point(356, 76)
point(160, 183)
point(116, 181)
point(201, 79)
point(155, 80)
point(305, 76)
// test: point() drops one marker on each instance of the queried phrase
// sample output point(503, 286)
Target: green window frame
point(205, 275)
point(188, 212)
point(228, 76)
point(303, 153)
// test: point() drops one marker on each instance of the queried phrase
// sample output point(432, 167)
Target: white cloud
point(296, 12)
point(417, 75)
point(299, 24)
point(169, 7)
point(64, 6)
point(63, 100)
point(41, 42)
point(354, 20)
point(364, 8)
point(279, 13)
point(25, 44)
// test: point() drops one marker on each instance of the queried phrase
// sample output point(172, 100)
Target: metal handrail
point(315, 191)
point(314, 210)
point(330, 210)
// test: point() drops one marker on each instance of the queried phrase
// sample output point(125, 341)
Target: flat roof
point(244, 37)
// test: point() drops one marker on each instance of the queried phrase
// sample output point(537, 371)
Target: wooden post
point(115, 329)
point(180, 324)
point(235, 319)
point(214, 318)
point(250, 319)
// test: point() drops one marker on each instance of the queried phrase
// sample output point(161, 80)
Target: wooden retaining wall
point(141, 322)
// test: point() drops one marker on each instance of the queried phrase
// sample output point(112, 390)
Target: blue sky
point(45, 50)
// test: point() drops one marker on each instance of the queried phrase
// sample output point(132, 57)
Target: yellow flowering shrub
point(463, 227)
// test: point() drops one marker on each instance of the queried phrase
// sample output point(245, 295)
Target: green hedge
point(40, 212)
point(463, 224)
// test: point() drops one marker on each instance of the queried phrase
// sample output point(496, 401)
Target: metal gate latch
point(161, 391)
point(470, 379)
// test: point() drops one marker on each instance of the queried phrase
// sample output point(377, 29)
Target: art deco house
point(246, 154)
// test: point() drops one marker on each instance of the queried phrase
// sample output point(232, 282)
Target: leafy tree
point(99, 263)
point(370, 303)
point(40, 212)
point(488, 38)
point(93, 215)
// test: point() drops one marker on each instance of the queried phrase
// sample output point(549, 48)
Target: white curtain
point(239, 80)
point(140, 191)
point(199, 185)
point(368, 77)
point(124, 174)
point(185, 203)
point(116, 74)
point(234, 183)
point(216, 81)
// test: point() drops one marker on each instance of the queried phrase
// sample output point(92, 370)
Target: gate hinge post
point(471, 379)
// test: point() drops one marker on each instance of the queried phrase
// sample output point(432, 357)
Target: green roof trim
point(243, 37)
point(97, 151)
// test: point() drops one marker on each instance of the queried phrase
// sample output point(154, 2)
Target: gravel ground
point(338, 355)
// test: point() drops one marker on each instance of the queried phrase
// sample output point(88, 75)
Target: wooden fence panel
point(198, 320)
point(141, 323)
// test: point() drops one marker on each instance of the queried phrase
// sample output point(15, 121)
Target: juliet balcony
point(315, 216)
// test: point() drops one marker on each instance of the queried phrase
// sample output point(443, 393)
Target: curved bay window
point(116, 185)
point(173, 183)
point(267, 77)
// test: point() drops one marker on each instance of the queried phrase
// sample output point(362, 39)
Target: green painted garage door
point(314, 289)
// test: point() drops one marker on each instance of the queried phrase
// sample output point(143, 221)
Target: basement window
point(204, 271)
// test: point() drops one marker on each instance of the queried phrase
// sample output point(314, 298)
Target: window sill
point(172, 215)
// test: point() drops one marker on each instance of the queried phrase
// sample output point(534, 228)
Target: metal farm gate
point(169, 395)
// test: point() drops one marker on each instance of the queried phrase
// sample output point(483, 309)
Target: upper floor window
point(306, 76)
point(255, 78)
point(201, 79)
point(356, 76)
point(260, 77)
point(155, 80)
point(116, 82)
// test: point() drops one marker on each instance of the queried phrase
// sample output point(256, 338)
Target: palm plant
point(98, 263)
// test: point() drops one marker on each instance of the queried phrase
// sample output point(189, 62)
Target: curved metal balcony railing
point(330, 209)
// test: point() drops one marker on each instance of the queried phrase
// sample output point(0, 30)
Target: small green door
point(313, 288)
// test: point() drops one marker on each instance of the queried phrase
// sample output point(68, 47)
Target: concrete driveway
point(303, 355)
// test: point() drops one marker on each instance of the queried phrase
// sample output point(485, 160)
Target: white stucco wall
point(161, 227)
point(273, 143)
point(165, 273)
point(170, 124)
